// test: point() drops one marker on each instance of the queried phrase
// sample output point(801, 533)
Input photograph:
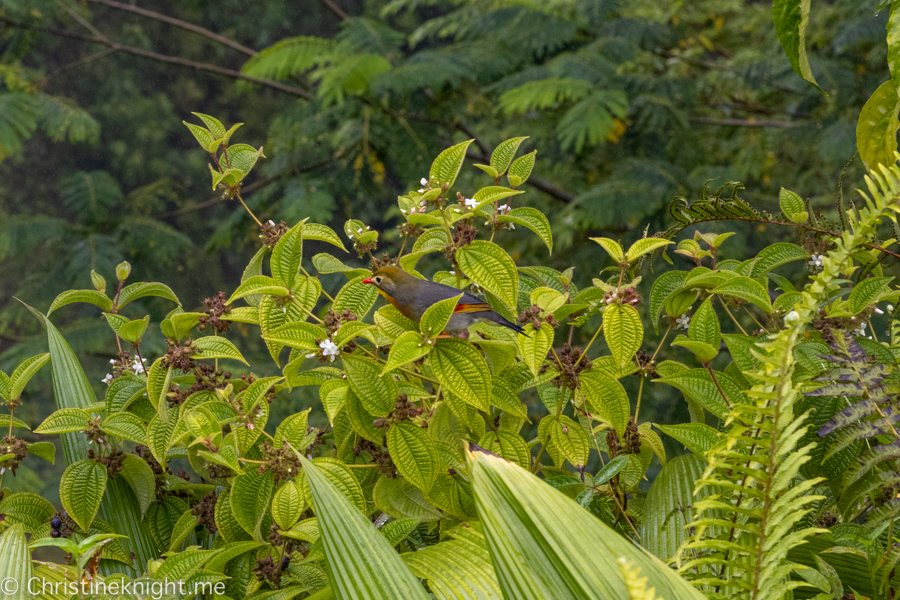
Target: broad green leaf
point(287, 505)
point(392, 323)
point(81, 490)
point(31, 510)
point(436, 316)
point(354, 329)
point(893, 43)
point(611, 469)
point(213, 124)
point(703, 351)
point(520, 169)
point(504, 397)
point(159, 438)
point(704, 326)
point(356, 296)
point(347, 535)
point(771, 257)
point(401, 499)
point(292, 429)
point(343, 479)
point(159, 377)
point(488, 265)
point(182, 528)
point(98, 299)
point(699, 385)
point(408, 347)
point(251, 493)
point(256, 392)
point(792, 205)
point(534, 345)
point(665, 286)
point(126, 426)
point(182, 323)
point(433, 240)
point(612, 247)
point(510, 446)
point(65, 420)
point(414, 454)
point(747, 289)
point(144, 289)
point(461, 368)
point(607, 397)
point(866, 292)
point(791, 18)
point(533, 219)
point(115, 321)
point(503, 154)
point(548, 299)
point(645, 246)
point(140, 477)
point(493, 193)
point(377, 392)
point(241, 157)
point(45, 450)
point(570, 440)
point(259, 284)
point(545, 545)
point(623, 332)
point(696, 437)
point(286, 256)
point(322, 233)
point(300, 335)
point(361, 420)
point(16, 566)
point(446, 166)
point(24, 372)
point(203, 136)
point(133, 331)
point(334, 397)
point(218, 347)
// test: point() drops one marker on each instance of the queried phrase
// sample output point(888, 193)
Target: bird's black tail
point(496, 318)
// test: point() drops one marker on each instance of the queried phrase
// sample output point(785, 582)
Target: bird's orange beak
point(367, 280)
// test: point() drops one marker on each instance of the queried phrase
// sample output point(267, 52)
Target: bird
point(413, 296)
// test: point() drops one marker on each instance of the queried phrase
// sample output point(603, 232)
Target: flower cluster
point(18, 449)
point(271, 232)
point(180, 356)
point(404, 410)
point(570, 365)
point(205, 511)
point(281, 462)
point(533, 314)
point(62, 525)
point(216, 308)
point(124, 363)
point(329, 352)
point(628, 296)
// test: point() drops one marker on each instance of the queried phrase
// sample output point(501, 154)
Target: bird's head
point(388, 279)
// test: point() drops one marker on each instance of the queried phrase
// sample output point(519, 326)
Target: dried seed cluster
point(216, 308)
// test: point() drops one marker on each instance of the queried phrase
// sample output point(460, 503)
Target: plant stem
point(725, 306)
point(237, 195)
point(637, 407)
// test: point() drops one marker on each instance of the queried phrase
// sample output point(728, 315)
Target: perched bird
point(413, 296)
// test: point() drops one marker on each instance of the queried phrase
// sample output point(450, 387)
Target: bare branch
point(164, 58)
point(75, 64)
point(746, 122)
point(221, 39)
point(335, 9)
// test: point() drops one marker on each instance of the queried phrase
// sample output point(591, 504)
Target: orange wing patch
point(473, 307)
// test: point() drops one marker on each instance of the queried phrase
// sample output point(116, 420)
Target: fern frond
point(289, 57)
point(592, 120)
point(18, 120)
point(63, 119)
point(544, 93)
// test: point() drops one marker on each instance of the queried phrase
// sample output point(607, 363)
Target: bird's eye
point(378, 280)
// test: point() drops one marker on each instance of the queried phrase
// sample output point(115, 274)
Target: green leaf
point(446, 166)
point(533, 219)
point(607, 397)
point(414, 454)
point(259, 284)
point(520, 169)
point(747, 289)
point(346, 535)
point(645, 246)
point(503, 154)
point(213, 124)
point(544, 545)
point(698, 384)
point(24, 372)
point(141, 479)
point(286, 256)
point(65, 420)
point(696, 437)
point(771, 257)
point(408, 347)
point(665, 286)
point(864, 293)
point(491, 194)
point(704, 326)
point(133, 331)
point(159, 438)
point(458, 568)
point(322, 233)
point(876, 130)
point(791, 18)
point(203, 137)
point(356, 296)
point(45, 450)
point(81, 490)
point(392, 323)
point(399, 499)
point(16, 565)
point(623, 332)
point(251, 493)
point(704, 352)
point(504, 397)
point(460, 368)
point(142, 290)
point(159, 377)
point(437, 315)
point(534, 345)
point(182, 528)
point(218, 347)
point(98, 299)
point(570, 440)
point(287, 505)
point(297, 335)
point(126, 426)
point(510, 446)
point(377, 392)
point(792, 205)
point(292, 429)
point(612, 248)
point(241, 157)
point(488, 265)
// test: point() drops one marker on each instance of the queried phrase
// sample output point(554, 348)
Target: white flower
point(421, 190)
point(503, 209)
point(890, 307)
point(861, 330)
point(112, 361)
point(510, 225)
point(271, 223)
point(471, 202)
point(453, 272)
point(423, 181)
point(683, 321)
point(878, 311)
point(108, 379)
point(137, 366)
point(403, 210)
point(791, 317)
point(329, 349)
point(311, 355)
point(816, 261)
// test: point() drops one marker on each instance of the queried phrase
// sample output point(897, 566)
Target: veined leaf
point(437, 315)
point(414, 454)
point(81, 490)
point(322, 233)
point(791, 18)
point(696, 437)
point(747, 289)
point(535, 345)
point(141, 479)
point(607, 397)
point(259, 284)
point(612, 247)
point(356, 296)
point(377, 392)
point(405, 349)
point(533, 219)
point(520, 169)
point(218, 347)
point(250, 496)
point(645, 246)
point(126, 426)
point(503, 154)
point(287, 504)
point(446, 166)
point(704, 326)
point(461, 368)
point(792, 205)
point(770, 257)
point(867, 292)
point(488, 265)
point(493, 193)
point(665, 286)
point(698, 384)
point(24, 372)
point(144, 289)
point(65, 420)
point(16, 565)
point(94, 297)
point(286, 256)
point(623, 332)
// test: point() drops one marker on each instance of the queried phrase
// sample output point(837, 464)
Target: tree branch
point(221, 39)
point(335, 9)
point(77, 63)
point(173, 60)
point(746, 122)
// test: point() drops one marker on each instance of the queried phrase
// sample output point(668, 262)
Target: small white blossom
point(861, 330)
point(684, 321)
point(421, 190)
point(403, 210)
point(329, 349)
point(503, 209)
point(510, 225)
point(878, 311)
point(108, 379)
point(815, 261)
point(453, 272)
point(311, 355)
point(137, 366)
point(423, 181)
point(271, 223)
point(890, 307)
point(112, 361)
point(471, 202)
point(791, 317)
point(456, 210)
